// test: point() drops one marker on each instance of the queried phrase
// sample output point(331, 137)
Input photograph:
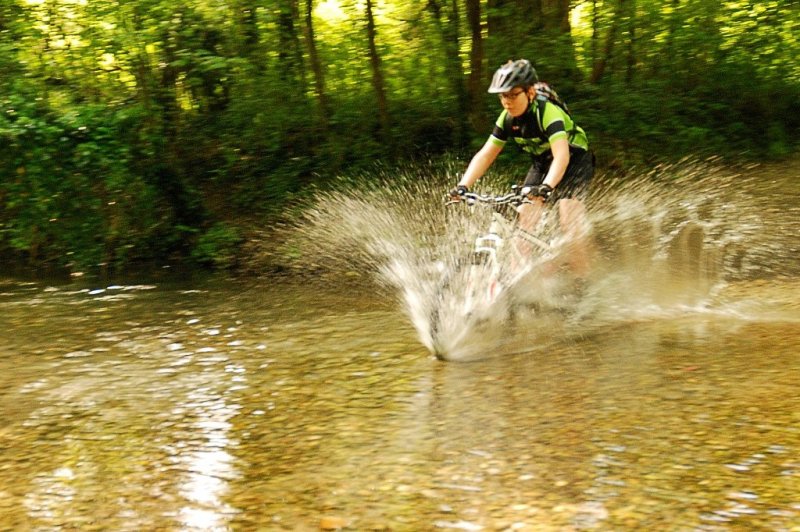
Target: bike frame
point(501, 229)
point(478, 294)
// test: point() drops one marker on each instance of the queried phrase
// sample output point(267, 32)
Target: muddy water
point(667, 401)
point(217, 405)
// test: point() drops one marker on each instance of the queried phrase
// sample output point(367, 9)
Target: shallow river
point(219, 405)
point(667, 400)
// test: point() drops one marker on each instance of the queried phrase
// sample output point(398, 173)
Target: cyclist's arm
point(481, 162)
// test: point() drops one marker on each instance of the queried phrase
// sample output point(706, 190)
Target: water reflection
point(116, 411)
point(207, 467)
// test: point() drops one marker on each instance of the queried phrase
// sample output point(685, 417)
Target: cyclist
point(562, 164)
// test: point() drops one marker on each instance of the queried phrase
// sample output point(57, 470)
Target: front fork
point(485, 263)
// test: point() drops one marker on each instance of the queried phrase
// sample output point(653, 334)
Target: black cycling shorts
point(576, 180)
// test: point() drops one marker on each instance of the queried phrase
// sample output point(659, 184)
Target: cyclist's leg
point(573, 219)
point(529, 214)
point(577, 176)
point(575, 228)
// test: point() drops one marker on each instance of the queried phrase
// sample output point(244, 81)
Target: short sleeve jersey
point(535, 138)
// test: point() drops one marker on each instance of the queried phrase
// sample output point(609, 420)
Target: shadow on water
point(688, 238)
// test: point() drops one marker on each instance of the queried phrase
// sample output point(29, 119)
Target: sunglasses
point(511, 95)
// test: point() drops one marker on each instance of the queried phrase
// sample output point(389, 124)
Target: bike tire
point(481, 288)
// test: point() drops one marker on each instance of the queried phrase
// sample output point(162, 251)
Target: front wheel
point(470, 300)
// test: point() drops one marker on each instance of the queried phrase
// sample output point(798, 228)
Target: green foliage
point(218, 247)
point(149, 131)
point(673, 116)
point(70, 198)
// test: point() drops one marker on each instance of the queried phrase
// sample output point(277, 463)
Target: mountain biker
point(562, 164)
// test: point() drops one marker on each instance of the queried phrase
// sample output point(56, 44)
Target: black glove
point(537, 191)
point(459, 191)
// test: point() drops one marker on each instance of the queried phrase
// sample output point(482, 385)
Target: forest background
point(162, 132)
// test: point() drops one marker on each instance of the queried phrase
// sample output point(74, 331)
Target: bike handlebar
point(471, 198)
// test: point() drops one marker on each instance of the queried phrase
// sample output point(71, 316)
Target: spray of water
point(668, 241)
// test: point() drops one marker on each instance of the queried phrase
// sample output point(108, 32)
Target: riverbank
point(269, 247)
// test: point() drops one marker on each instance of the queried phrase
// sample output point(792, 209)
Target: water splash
point(669, 241)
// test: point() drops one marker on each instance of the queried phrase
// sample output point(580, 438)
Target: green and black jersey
point(535, 138)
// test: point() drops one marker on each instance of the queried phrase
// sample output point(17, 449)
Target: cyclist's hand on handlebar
point(458, 192)
point(537, 191)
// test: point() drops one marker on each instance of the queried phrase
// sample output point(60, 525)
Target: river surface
point(223, 405)
point(666, 400)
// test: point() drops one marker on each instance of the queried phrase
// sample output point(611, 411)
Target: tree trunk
point(537, 14)
point(558, 31)
point(595, 34)
point(674, 22)
point(316, 66)
point(601, 63)
point(377, 74)
point(246, 15)
point(512, 21)
point(558, 16)
point(290, 54)
point(475, 81)
point(449, 31)
point(631, 53)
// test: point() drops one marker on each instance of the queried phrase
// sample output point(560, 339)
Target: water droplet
point(738, 467)
point(746, 495)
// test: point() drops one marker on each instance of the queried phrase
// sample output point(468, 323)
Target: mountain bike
point(479, 292)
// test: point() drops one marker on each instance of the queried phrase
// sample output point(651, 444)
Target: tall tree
point(557, 15)
point(246, 16)
point(510, 27)
point(603, 60)
point(631, 52)
point(378, 83)
point(558, 32)
point(316, 65)
point(595, 33)
point(290, 53)
point(476, 59)
point(674, 22)
point(448, 26)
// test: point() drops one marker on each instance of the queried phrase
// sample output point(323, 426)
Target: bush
point(218, 247)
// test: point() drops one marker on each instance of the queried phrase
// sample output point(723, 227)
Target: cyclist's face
point(515, 101)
